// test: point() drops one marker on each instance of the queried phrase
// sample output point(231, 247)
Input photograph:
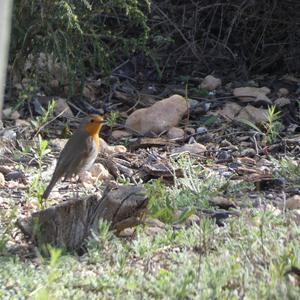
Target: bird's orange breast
point(93, 130)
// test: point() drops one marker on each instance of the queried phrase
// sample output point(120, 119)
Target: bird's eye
point(92, 121)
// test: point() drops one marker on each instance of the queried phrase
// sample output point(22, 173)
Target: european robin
point(80, 151)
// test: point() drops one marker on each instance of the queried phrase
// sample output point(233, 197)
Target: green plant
point(26, 94)
point(42, 120)
point(271, 128)
point(43, 292)
point(162, 206)
point(112, 119)
point(288, 168)
point(7, 217)
point(36, 187)
point(74, 37)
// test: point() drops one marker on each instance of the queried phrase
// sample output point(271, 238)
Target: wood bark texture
point(70, 223)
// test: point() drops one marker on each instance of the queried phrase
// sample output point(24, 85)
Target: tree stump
point(70, 223)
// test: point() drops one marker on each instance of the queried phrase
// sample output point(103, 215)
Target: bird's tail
point(49, 188)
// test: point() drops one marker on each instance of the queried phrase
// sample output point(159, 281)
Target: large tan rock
point(159, 117)
point(252, 94)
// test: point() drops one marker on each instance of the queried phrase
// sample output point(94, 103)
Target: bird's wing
point(72, 156)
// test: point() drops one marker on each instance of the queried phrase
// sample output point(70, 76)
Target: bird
point(80, 151)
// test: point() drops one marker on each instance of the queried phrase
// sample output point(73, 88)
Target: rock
point(249, 152)
point(99, 171)
point(175, 133)
point(159, 117)
point(105, 148)
point(120, 134)
point(54, 83)
point(118, 149)
point(8, 135)
point(194, 104)
point(223, 155)
point(230, 110)
point(195, 148)
point(282, 92)
point(2, 180)
point(192, 219)
point(22, 123)
point(63, 108)
point(210, 83)
point(16, 175)
point(10, 114)
point(189, 130)
point(221, 202)
point(282, 101)
point(201, 130)
point(87, 179)
point(293, 202)
point(253, 114)
point(252, 94)
point(127, 232)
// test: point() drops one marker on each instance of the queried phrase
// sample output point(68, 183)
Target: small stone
point(15, 175)
point(250, 152)
point(252, 94)
point(120, 134)
point(230, 110)
point(189, 131)
point(2, 180)
point(99, 171)
point(194, 104)
point(201, 130)
point(127, 232)
point(54, 83)
point(210, 83)
point(86, 178)
point(281, 102)
point(282, 92)
point(119, 149)
point(22, 123)
point(195, 148)
point(223, 155)
point(175, 133)
point(293, 202)
point(62, 108)
point(221, 202)
point(105, 148)
point(253, 114)
point(155, 223)
point(8, 134)
point(193, 219)
point(10, 114)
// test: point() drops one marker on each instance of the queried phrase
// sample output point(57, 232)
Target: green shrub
point(79, 35)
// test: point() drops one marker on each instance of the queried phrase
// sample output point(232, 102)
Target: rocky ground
point(203, 149)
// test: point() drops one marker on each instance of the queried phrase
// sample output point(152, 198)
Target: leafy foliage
point(271, 128)
point(81, 35)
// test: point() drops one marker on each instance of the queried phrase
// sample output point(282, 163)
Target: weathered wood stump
point(68, 224)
